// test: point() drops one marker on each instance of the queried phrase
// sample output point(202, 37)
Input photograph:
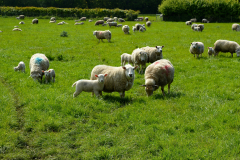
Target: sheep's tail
point(74, 84)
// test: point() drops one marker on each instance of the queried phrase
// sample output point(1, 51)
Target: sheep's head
point(36, 76)
point(94, 33)
point(194, 44)
point(47, 73)
point(100, 77)
point(150, 86)
point(143, 56)
point(15, 68)
point(129, 71)
point(159, 49)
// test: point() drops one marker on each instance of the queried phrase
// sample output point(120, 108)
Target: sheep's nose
point(130, 75)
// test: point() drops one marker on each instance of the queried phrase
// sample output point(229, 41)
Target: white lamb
point(103, 35)
point(49, 75)
point(17, 29)
point(236, 27)
point(148, 23)
point(119, 79)
point(20, 67)
point(226, 46)
point(139, 58)
point(154, 53)
point(211, 51)
point(159, 73)
point(21, 22)
point(126, 58)
point(193, 25)
point(196, 48)
point(125, 29)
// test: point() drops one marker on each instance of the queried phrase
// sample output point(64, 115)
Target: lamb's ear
point(143, 85)
point(162, 46)
point(105, 75)
point(135, 67)
point(49, 71)
point(96, 75)
point(124, 67)
point(156, 46)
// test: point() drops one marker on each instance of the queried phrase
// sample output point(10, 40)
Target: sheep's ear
point(96, 75)
point(156, 46)
point(105, 75)
point(162, 46)
point(124, 67)
point(143, 85)
point(49, 71)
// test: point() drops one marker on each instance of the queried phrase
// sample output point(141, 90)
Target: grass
point(199, 119)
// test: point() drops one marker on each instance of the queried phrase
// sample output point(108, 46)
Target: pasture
point(199, 119)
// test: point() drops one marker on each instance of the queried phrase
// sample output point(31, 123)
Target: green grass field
point(199, 119)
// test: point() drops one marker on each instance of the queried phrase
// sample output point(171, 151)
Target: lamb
point(110, 20)
point(226, 46)
point(99, 22)
point(103, 35)
point(83, 19)
point(119, 79)
point(52, 19)
point(196, 48)
point(90, 20)
point(159, 73)
point(126, 58)
point(236, 27)
point(38, 62)
point(20, 67)
point(139, 58)
point(104, 24)
point(105, 18)
point(148, 23)
point(193, 20)
point(146, 18)
point(121, 20)
point(211, 51)
point(125, 29)
point(142, 29)
point(110, 24)
point(205, 21)
point(193, 25)
point(138, 26)
point(21, 16)
point(119, 25)
point(35, 21)
point(49, 75)
point(79, 23)
point(134, 28)
point(17, 29)
point(115, 18)
point(21, 22)
point(201, 26)
point(140, 18)
point(154, 53)
point(188, 23)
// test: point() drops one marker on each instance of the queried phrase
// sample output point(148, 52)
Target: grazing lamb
point(104, 24)
point(139, 58)
point(148, 23)
point(94, 86)
point(105, 18)
point(103, 35)
point(159, 73)
point(110, 24)
point(83, 19)
point(125, 29)
point(121, 20)
point(21, 16)
point(201, 26)
point(21, 22)
point(20, 67)
point(49, 75)
point(236, 27)
point(79, 23)
point(140, 18)
point(90, 20)
point(138, 26)
point(99, 22)
point(226, 46)
point(17, 29)
point(154, 53)
point(142, 29)
point(110, 20)
point(146, 19)
point(196, 48)
point(193, 25)
point(115, 18)
point(134, 28)
point(205, 21)
point(126, 58)
point(188, 23)
point(38, 63)
point(119, 25)
point(211, 51)
point(52, 19)
point(119, 79)
point(193, 20)
point(35, 21)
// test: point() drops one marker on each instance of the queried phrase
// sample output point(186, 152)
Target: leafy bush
point(64, 34)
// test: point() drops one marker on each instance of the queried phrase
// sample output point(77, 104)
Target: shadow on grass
point(122, 101)
point(171, 95)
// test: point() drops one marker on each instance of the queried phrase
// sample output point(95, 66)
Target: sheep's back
point(225, 46)
point(39, 61)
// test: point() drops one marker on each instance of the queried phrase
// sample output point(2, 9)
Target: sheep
point(94, 86)
point(134, 28)
point(103, 35)
point(21, 16)
point(17, 29)
point(159, 73)
point(110, 24)
point(140, 18)
point(146, 18)
point(125, 29)
point(193, 25)
point(201, 26)
point(99, 22)
point(104, 24)
point(21, 22)
point(83, 19)
point(137, 25)
point(211, 51)
point(235, 27)
point(139, 58)
point(17, 18)
point(148, 23)
point(119, 79)
point(188, 23)
point(20, 67)
point(38, 62)
point(35, 21)
point(154, 53)
point(105, 18)
point(52, 19)
point(119, 25)
point(90, 20)
point(193, 20)
point(115, 18)
point(142, 29)
point(110, 20)
point(205, 21)
point(197, 29)
point(61, 23)
point(79, 23)
point(126, 58)
point(49, 75)
point(226, 46)
point(121, 20)
point(196, 48)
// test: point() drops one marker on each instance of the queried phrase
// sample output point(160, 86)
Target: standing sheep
point(148, 23)
point(139, 58)
point(110, 20)
point(159, 73)
point(121, 20)
point(35, 21)
point(21, 22)
point(99, 22)
point(83, 19)
point(105, 18)
point(125, 29)
point(196, 48)
point(94, 86)
point(21, 16)
point(205, 21)
point(38, 62)
point(138, 26)
point(126, 58)
point(142, 29)
point(49, 75)
point(193, 25)
point(115, 18)
point(226, 46)
point(188, 23)
point(110, 24)
point(103, 35)
point(154, 53)
point(201, 26)
point(211, 51)
point(119, 79)
point(236, 27)
point(20, 67)
point(193, 20)
point(52, 19)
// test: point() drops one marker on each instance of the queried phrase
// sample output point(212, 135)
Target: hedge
point(68, 12)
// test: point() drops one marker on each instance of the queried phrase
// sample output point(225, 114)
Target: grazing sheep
point(196, 48)
point(94, 86)
point(121, 20)
point(115, 18)
point(159, 73)
point(193, 25)
point(110, 20)
point(52, 19)
point(103, 35)
point(146, 18)
point(119, 25)
point(126, 58)
point(83, 19)
point(188, 23)
point(38, 63)
point(21, 22)
point(61, 23)
point(134, 28)
point(211, 51)
point(139, 58)
point(119, 79)
point(137, 25)
point(104, 24)
point(17, 29)
point(99, 22)
point(49, 75)
point(125, 29)
point(35, 21)
point(226, 46)
point(21, 17)
point(79, 23)
point(235, 27)
point(201, 26)
point(140, 18)
point(193, 20)
point(154, 53)
point(105, 18)
point(142, 29)
point(148, 23)
point(205, 21)
point(20, 67)
point(90, 20)
point(110, 24)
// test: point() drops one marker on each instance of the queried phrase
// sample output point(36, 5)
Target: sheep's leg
point(96, 93)
point(53, 79)
point(169, 88)
point(76, 93)
point(194, 55)
point(122, 94)
point(140, 69)
point(162, 88)
point(232, 54)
